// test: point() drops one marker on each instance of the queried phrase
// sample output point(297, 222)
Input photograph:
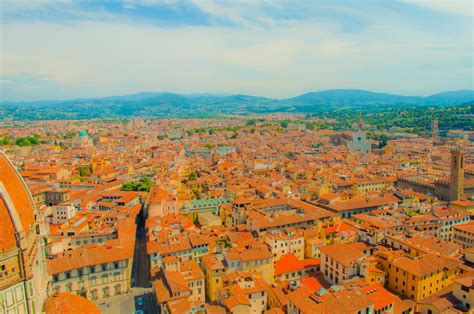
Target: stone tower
point(456, 180)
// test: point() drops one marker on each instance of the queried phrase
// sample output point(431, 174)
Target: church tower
point(456, 182)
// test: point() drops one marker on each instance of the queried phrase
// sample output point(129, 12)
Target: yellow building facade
point(418, 277)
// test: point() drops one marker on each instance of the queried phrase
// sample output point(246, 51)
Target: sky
point(51, 49)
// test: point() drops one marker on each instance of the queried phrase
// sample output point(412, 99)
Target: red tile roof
point(20, 197)
point(68, 303)
point(381, 297)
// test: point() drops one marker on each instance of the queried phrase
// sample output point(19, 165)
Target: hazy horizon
point(53, 50)
point(226, 94)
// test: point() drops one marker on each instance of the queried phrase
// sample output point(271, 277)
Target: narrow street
point(140, 299)
point(141, 266)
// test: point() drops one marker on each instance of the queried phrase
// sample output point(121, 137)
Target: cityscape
point(274, 193)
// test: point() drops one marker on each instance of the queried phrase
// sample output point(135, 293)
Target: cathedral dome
point(83, 133)
point(66, 303)
point(16, 205)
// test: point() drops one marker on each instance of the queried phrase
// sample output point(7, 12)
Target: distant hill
point(460, 95)
point(351, 96)
point(181, 105)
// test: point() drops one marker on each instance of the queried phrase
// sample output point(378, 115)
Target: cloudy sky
point(54, 49)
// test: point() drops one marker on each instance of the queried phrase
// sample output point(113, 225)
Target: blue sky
point(65, 49)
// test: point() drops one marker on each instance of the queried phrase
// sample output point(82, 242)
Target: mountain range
point(175, 105)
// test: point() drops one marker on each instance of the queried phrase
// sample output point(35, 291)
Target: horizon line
point(227, 95)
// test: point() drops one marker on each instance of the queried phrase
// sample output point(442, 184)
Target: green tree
point(192, 176)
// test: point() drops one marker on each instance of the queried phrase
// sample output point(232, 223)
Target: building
point(359, 140)
point(466, 206)
point(464, 235)
point(62, 213)
point(23, 277)
point(68, 303)
point(83, 139)
point(301, 301)
point(244, 293)
point(340, 262)
point(456, 298)
point(456, 179)
point(448, 218)
point(96, 271)
point(455, 188)
point(417, 277)
point(178, 281)
point(286, 242)
point(252, 258)
point(290, 268)
point(384, 300)
point(214, 267)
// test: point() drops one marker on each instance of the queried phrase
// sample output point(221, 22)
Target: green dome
point(83, 133)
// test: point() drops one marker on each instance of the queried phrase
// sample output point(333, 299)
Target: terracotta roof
point(235, 300)
point(381, 297)
point(288, 263)
point(21, 199)
point(7, 240)
point(311, 283)
point(68, 303)
point(343, 253)
point(425, 264)
point(467, 227)
point(113, 250)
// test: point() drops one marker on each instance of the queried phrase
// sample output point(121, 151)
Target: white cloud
point(462, 7)
point(288, 58)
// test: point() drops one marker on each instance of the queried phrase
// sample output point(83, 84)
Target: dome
point(68, 303)
point(83, 133)
point(16, 205)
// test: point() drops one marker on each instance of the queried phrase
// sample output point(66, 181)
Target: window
point(68, 275)
point(118, 289)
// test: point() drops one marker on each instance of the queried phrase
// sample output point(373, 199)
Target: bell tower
point(456, 180)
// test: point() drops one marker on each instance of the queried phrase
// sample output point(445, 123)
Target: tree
point(142, 185)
